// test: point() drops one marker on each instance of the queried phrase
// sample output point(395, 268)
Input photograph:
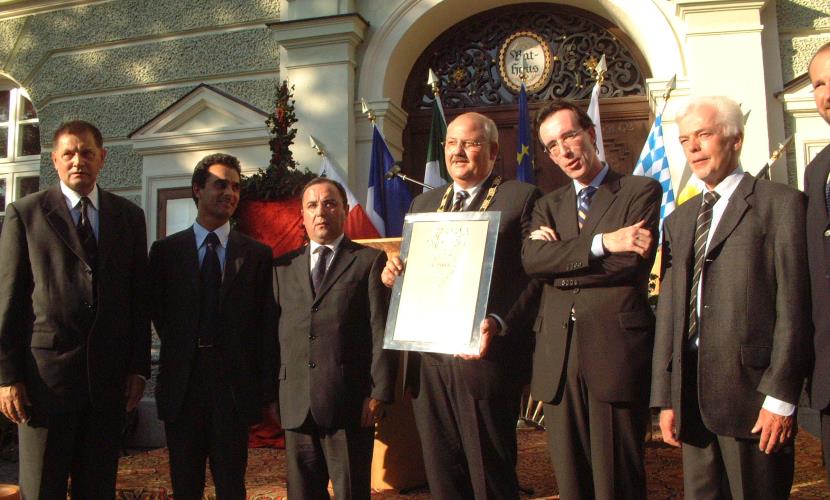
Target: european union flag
point(524, 150)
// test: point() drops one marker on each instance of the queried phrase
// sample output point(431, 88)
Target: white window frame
point(15, 166)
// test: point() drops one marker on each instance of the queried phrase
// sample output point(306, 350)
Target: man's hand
point(393, 269)
point(544, 233)
point(628, 239)
point(489, 328)
point(776, 430)
point(373, 412)
point(667, 427)
point(12, 401)
point(133, 391)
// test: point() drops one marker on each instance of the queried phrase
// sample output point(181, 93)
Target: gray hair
point(728, 113)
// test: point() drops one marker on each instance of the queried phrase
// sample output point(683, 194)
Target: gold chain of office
point(445, 201)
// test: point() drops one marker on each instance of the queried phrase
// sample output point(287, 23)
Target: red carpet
point(145, 476)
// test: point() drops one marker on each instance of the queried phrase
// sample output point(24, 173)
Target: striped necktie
point(704, 223)
point(585, 195)
point(460, 196)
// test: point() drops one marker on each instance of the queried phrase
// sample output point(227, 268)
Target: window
point(19, 145)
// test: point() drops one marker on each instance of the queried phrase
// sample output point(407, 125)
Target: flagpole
point(367, 111)
point(316, 147)
point(667, 92)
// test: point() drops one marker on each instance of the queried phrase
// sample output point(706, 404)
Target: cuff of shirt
point(778, 407)
point(597, 249)
point(502, 324)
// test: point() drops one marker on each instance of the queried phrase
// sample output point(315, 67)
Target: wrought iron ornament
point(466, 60)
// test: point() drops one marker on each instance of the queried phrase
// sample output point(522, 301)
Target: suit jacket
point(754, 313)
point(818, 253)
point(506, 362)
point(68, 341)
point(608, 296)
point(247, 341)
point(331, 345)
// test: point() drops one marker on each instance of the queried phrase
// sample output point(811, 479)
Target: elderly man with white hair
point(732, 335)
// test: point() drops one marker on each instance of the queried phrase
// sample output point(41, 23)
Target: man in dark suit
point(213, 310)
point(733, 326)
point(74, 331)
point(334, 377)
point(818, 249)
point(591, 246)
point(466, 407)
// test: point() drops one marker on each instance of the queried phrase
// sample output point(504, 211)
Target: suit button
point(827, 233)
point(312, 364)
point(312, 337)
point(315, 309)
point(576, 290)
point(564, 325)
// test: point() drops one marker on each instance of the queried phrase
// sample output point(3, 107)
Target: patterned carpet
point(145, 476)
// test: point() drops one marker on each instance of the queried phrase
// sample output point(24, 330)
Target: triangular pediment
point(202, 117)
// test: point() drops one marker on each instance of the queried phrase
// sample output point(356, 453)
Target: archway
point(465, 59)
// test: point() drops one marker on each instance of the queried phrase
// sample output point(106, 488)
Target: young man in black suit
point(214, 312)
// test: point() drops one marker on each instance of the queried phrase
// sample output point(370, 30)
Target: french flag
point(358, 224)
point(387, 200)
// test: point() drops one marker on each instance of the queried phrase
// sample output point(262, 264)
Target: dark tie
point(827, 196)
point(86, 234)
point(460, 196)
point(585, 195)
point(704, 222)
point(319, 271)
point(211, 280)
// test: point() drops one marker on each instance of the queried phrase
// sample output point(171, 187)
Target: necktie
point(704, 222)
point(211, 281)
point(86, 234)
point(827, 196)
point(460, 196)
point(585, 195)
point(319, 271)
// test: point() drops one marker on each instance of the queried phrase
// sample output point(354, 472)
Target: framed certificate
point(439, 302)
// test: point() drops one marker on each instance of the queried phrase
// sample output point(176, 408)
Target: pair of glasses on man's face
point(452, 144)
point(568, 140)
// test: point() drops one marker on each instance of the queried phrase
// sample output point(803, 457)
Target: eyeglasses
point(568, 139)
point(451, 144)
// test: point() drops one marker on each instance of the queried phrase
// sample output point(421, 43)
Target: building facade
point(170, 81)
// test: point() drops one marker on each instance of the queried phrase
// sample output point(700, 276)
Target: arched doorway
point(465, 59)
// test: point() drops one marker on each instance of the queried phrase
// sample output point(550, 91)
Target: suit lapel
point(686, 222)
point(299, 273)
point(191, 265)
point(602, 200)
point(343, 259)
point(735, 210)
point(482, 194)
point(819, 189)
point(57, 214)
point(564, 214)
point(235, 256)
point(109, 225)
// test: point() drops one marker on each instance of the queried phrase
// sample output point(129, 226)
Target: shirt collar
point(313, 245)
point(727, 186)
point(222, 233)
point(73, 197)
point(472, 191)
point(597, 180)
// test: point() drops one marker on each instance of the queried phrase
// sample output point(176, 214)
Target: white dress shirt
point(222, 233)
point(597, 250)
point(314, 248)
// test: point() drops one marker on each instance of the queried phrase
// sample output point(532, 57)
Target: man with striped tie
point(818, 248)
point(733, 318)
point(592, 247)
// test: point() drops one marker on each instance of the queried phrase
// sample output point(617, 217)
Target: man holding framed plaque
point(592, 248)
point(465, 406)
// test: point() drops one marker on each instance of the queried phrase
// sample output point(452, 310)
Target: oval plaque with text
point(525, 53)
